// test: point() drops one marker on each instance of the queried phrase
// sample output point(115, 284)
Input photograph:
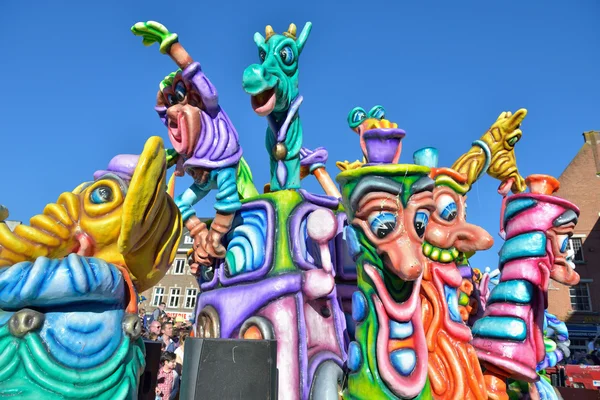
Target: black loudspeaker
point(224, 369)
point(148, 378)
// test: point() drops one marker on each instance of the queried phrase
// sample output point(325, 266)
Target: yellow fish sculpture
point(69, 281)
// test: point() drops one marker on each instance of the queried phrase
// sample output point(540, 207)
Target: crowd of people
point(171, 333)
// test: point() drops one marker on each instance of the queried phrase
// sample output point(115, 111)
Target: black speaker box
point(228, 369)
point(148, 378)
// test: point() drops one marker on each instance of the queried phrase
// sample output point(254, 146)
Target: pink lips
point(178, 134)
point(442, 275)
point(85, 247)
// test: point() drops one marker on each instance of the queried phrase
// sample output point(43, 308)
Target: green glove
point(172, 157)
point(155, 32)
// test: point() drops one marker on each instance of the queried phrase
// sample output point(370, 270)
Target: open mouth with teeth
point(400, 344)
point(438, 254)
point(263, 103)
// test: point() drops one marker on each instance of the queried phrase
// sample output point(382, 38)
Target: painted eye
point(513, 140)
point(563, 241)
point(421, 220)
point(102, 194)
point(171, 99)
point(356, 117)
point(377, 112)
point(180, 92)
point(262, 55)
point(446, 207)
point(287, 55)
point(382, 223)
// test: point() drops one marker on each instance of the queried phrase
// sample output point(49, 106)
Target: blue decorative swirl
point(246, 246)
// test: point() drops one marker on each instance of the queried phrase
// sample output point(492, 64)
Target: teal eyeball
point(377, 112)
point(356, 117)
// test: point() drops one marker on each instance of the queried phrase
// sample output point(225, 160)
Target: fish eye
point(102, 194)
point(262, 55)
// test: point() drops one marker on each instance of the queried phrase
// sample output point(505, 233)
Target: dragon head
point(273, 84)
point(124, 217)
point(501, 138)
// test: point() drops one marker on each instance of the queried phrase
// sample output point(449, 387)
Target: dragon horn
point(291, 32)
point(269, 32)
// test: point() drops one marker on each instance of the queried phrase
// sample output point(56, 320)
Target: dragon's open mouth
point(264, 103)
point(401, 348)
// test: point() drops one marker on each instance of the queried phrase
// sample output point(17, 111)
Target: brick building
point(178, 289)
point(579, 306)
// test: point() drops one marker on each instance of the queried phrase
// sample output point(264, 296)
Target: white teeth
point(400, 330)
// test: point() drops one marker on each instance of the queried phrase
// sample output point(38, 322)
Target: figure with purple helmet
point(205, 143)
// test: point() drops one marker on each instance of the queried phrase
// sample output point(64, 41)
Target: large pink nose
point(401, 258)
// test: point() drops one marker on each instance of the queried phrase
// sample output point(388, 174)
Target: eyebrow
point(374, 183)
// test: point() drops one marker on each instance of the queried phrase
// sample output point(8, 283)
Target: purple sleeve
point(208, 93)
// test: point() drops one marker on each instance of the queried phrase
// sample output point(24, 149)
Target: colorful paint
point(273, 87)
point(69, 327)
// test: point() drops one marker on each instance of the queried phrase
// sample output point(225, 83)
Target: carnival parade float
point(366, 288)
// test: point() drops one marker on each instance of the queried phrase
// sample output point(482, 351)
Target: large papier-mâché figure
point(453, 368)
point(273, 85)
point(69, 327)
point(277, 281)
point(205, 141)
point(536, 226)
point(388, 207)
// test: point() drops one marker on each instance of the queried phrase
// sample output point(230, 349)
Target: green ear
point(259, 39)
point(303, 36)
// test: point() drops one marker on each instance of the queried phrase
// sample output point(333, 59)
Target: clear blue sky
point(79, 88)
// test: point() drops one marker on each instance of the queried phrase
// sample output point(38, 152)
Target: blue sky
point(79, 88)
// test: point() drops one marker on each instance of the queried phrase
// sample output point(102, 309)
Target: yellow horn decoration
point(291, 32)
point(269, 32)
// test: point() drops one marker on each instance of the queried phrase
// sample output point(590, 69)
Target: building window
point(580, 297)
point(190, 298)
point(158, 296)
point(179, 267)
point(576, 244)
point(187, 239)
point(174, 295)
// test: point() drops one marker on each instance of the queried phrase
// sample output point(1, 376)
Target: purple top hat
point(383, 145)
point(122, 165)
